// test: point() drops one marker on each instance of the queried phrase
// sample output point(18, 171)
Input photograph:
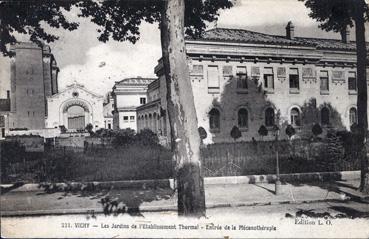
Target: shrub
point(236, 133)
point(147, 137)
point(123, 137)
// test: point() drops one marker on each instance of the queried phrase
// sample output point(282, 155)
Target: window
point(213, 79)
point(353, 116)
point(243, 118)
point(352, 81)
point(125, 118)
point(131, 118)
point(324, 81)
point(241, 77)
point(295, 117)
point(2, 121)
point(197, 70)
point(227, 71)
point(269, 117)
point(214, 119)
point(109, 126)
point(268, 78)
point(142, 100)
point(324, 116)
point(294, 79)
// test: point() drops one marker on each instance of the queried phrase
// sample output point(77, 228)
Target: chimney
point(345, 35)
point(290, 30)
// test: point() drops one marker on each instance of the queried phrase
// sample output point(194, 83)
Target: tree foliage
point(334, 15)
point(236, 133)
point(117, 20)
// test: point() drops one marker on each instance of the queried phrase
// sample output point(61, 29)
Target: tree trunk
point(185, 139)
point(362, 93)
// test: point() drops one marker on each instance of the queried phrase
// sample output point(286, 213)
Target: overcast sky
point(82, 58)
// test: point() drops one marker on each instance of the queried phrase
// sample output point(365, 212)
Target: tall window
point(214, 119)
point(352, 81)
point(241, 77)
point(268, 78)
point(213, 79)
point(294, 79)
point(353, 116)
point(269, 117)
point(243, 118)
point(142, 100)
point(295, 117)
point(324, 116)
point(324, 81)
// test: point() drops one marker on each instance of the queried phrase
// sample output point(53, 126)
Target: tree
point(89, 127)
point(236, 133)
point(263, 131)
point(337, 15)
point(317, 129)
point(120, 21)
point(290, 131)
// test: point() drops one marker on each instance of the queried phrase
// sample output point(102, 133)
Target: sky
point(82, 58)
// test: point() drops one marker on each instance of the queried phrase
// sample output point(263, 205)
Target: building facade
point(108, 108)
point(74, 108)
point(249, 79)
point(33, 78)
point(128, 94)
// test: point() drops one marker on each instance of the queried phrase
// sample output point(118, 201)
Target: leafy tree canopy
point(118, 20)
point(335, 15)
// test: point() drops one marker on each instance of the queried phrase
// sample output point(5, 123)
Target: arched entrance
point(76, 117)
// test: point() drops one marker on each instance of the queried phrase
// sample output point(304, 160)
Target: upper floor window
point(125, 118)
point(268, 78)
point(197, 70)
point(324, 116)
point(213, 79)
point(353, 116)
point(269, 117)
point(243, 118)
point(131, 118)
point(142, 100)
point(295, 117)
point(324, 81)
point(227, 71)
point(241, 77)
point(294, 79)
point(214, 119)
point(352, 84)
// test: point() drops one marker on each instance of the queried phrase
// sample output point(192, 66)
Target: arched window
point(269, 117)
point(295, 117)
point(353, 116)
point(243, 118)
point(324, 116)
point(214, 119)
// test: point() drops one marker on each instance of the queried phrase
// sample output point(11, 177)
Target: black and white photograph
point(184, 118)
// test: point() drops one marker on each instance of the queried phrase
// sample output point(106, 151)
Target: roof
point(246, 36)
point(4, 104)
point(135, 81)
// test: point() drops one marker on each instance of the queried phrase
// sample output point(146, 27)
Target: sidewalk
point(21, 203)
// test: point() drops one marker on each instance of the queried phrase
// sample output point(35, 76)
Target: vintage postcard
point(184, 118)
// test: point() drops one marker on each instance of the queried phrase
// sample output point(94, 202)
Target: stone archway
point(76, 114)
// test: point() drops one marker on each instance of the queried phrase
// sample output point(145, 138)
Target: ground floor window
point(295, 117)
point(353, 116)
point(214, 119)
point(243, 118)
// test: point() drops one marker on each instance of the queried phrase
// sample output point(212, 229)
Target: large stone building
point(249, 79)
point(128, 94)
point(33, 78)
point(74, 108)
point(108, 111)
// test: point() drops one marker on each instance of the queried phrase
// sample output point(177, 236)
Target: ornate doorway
point(76, 117)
